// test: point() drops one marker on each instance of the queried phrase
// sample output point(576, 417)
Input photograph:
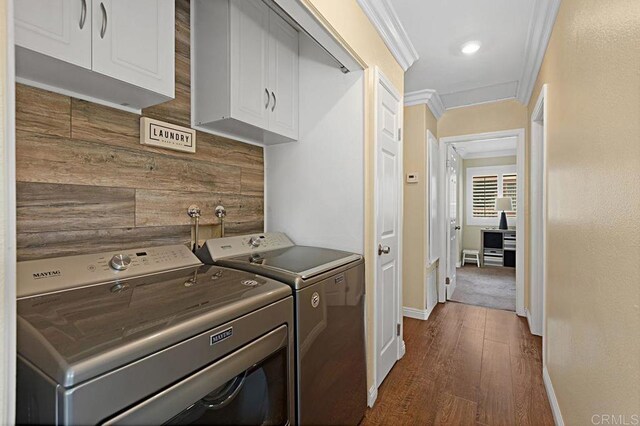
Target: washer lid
point(78, 334)
point(297, 261)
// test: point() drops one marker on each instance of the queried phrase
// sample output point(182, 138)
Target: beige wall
point(417, 120)
point(592, 68)
point(483, 118)
point(471, 233)
point(349, 24)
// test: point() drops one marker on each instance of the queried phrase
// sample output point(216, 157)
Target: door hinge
point(400, 134)
point(447, 281)
point(398, 330)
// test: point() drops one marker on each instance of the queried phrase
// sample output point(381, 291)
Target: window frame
point(487, 170)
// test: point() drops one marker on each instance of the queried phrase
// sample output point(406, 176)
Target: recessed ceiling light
point(470, 47)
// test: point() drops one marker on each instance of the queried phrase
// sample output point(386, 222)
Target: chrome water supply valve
point(194, 212)
point(221, 213)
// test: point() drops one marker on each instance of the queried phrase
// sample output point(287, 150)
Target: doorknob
point(383, 249)
point(457, 228)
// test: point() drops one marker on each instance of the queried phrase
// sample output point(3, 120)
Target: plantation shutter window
point(482, 186)
point(485, 192)
point(509, 185)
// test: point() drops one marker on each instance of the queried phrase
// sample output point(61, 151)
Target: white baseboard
point(403, 349)
point(372, 396)
point(421, 314)
point(551, 394)
point(459, 264)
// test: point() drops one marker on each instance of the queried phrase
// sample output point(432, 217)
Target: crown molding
point(386, 22)
point(544, 16)
point(427, 96)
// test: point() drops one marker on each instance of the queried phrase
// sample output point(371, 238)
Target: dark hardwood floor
point(466, 365)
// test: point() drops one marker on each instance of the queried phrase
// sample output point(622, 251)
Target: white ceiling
point(513, 33)
point(500, 147)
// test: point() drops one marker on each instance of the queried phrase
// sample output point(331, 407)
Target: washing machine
point(329, 295)
point(152, 336)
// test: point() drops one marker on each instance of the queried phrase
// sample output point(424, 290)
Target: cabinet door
point(57, 28)
point(133, 41)
point(249, 61)
point(283, 77)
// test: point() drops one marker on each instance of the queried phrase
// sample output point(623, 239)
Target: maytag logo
point(47, 274)
point(219, 337)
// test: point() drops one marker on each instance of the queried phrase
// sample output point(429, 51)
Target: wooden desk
point(498, 247)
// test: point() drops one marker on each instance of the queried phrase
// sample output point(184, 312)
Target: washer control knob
point(254, 242)
point(120, 262)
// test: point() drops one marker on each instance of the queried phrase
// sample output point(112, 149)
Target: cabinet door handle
point(267, 104)
point(83, 14)
point(274, 101)
point(103, 30)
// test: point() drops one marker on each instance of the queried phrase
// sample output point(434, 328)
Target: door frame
point(381, 80)
point(7, 218)
point(520, 200)
point(536, 314)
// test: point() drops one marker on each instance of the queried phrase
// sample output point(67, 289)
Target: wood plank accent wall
point(85, 183)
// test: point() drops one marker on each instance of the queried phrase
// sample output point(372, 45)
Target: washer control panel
point(49, 275)
point(237, 246)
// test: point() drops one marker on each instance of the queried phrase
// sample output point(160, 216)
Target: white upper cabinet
point(250, 61)
point(133, 41)
point(245, 71)
point(115, 52)
point(283, 77)
point(60, 28)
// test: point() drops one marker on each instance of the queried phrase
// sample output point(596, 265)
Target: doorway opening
point(483, 219)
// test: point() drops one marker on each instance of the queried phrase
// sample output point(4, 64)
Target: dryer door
point(248, 386)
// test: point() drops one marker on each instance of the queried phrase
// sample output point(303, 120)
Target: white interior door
point(452, 220)
point(388, 184)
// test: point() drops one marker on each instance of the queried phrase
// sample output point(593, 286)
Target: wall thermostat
point(412, 177)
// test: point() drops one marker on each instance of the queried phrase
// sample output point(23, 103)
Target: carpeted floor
point(491, 287)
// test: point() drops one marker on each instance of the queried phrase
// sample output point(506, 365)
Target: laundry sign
point(166, 135)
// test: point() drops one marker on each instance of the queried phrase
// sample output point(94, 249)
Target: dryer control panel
point(219, 248)
point(60, 273)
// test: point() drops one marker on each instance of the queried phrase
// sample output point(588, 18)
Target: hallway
point(490, 287)
point(466, 365)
